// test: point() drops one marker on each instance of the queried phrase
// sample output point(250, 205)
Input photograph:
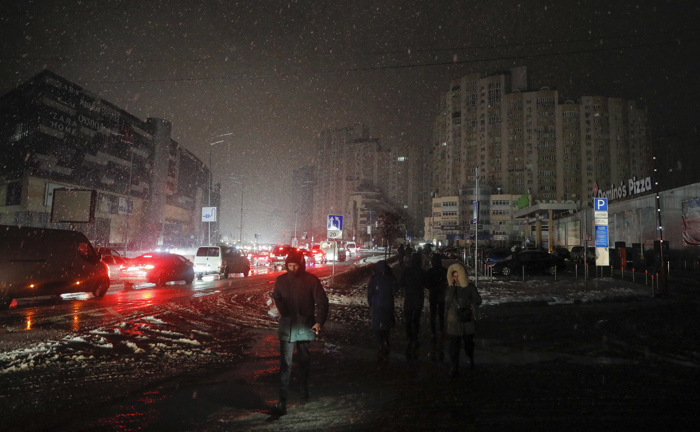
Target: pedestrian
point(437, 288)
point(408, 252)
point(462, 300)
point(400, 252)
point(381, 289)
point(413, 281)
point(303, 308)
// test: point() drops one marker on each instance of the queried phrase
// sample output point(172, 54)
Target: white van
point(38, 262)
point(222, 260)
point(351, 246)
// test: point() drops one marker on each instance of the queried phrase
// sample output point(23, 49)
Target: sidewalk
point(629, 364)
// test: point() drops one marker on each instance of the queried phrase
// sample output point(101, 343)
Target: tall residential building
point(529, 142)
point(347, 160)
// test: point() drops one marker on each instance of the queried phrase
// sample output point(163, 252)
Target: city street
point(550, 356)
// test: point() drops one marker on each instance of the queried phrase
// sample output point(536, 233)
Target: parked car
point(222, 260)
point(158, 268)
point(577, 254)
point(38, 262)
point(533, 261)
point(562, 251)
point(495, 255)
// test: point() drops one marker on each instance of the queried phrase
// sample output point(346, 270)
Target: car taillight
point(149, 266)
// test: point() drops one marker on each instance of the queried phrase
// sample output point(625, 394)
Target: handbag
point(464, 314)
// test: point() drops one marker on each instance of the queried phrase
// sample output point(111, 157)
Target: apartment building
point(57, 134)
point(528, 142)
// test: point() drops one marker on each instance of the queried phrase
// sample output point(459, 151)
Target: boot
point(280, 407)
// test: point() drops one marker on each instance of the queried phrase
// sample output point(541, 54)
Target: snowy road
point(561, 353)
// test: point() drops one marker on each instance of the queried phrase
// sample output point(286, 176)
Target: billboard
point(73, 205)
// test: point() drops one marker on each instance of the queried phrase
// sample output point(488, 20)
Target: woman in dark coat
point(460, 294)
point(381, 289)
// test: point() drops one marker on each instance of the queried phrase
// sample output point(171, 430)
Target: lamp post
point(211, 174)
point(240, 234)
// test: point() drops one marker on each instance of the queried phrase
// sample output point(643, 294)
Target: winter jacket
point(381, 289)
point(301, 302)
point(437, 279)
point(414, 281)
point(463, 295)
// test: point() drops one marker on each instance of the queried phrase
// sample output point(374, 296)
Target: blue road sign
point(601, 236)
point(335, 222)
point(600, 204)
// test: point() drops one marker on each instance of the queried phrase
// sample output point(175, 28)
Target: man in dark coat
point(437, 286)
point(381, 289)
point(303, 306)
point(413, 281)
point(400, 251)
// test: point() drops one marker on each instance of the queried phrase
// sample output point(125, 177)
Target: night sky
point(276, 73)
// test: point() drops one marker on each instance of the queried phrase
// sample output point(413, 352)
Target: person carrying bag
point(462, 300)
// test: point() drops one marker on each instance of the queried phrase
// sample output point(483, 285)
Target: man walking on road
point(303, 306)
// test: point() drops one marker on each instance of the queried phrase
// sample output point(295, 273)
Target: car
point(351, 247)
point(114, 264)
point(157, 268)
point(260, 258)
point(333, 251)
point(533, 261)
point(278, 255)
point(37, 262)
point(495, 255)
point(577, 254)
point(221, 259)
point(319, 254)
point(562, 251)
point(114, 260)
point(309, 257)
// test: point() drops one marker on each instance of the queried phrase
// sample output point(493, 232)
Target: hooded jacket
point(301, 301)
point(463, 295)
point(414, 281)
point(437, 281)
point(381, 288)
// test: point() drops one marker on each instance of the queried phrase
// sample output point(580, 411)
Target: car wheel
point(246, 273)
point(160, 282)
point(552, 270)
point(506, 271)
point(128, 286)
point(226, 271)
point(101, 288)
point(199, 276)
point(189, 278)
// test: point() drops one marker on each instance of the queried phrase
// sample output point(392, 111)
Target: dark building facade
point(55, 134)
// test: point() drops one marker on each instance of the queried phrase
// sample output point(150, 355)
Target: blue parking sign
point(600, 204)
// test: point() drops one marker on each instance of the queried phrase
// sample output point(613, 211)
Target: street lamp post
point(211, 174)
point(240, 234)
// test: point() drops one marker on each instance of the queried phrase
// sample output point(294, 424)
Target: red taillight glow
point(149, 266)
